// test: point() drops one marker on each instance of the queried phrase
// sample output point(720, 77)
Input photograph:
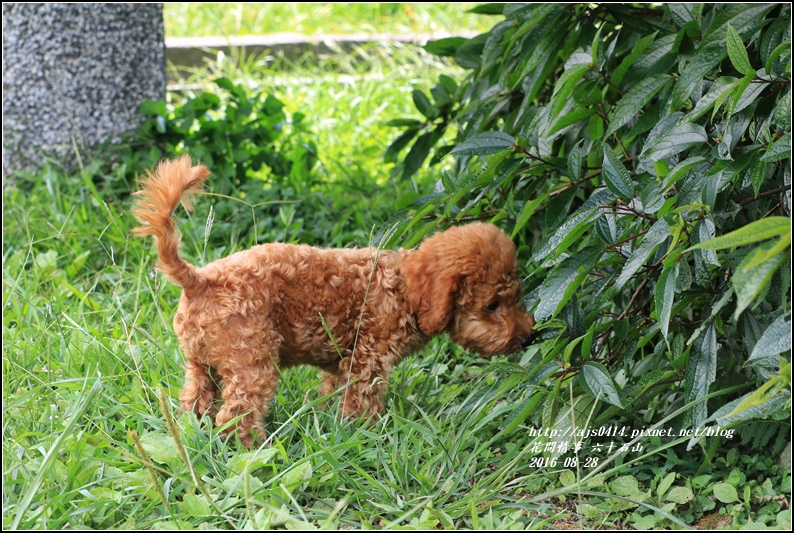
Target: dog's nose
point(526, 341)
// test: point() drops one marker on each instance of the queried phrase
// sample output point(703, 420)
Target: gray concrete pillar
point(75, 74)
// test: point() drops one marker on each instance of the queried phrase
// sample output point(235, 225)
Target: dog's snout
point(526, 341)
point(528, 331)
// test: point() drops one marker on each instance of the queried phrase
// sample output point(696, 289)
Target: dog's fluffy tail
point(160, 193)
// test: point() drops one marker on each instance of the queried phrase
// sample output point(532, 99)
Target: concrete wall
point(76, 73)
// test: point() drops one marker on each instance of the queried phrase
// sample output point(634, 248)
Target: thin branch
point(764, 194)
point(624, 241)
point(625, 313)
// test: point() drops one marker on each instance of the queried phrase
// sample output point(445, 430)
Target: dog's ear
point(431, 287)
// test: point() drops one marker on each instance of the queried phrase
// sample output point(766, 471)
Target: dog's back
point(298, 291)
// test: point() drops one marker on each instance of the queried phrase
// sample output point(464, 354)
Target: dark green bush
point(240, 135)
point(641, 158)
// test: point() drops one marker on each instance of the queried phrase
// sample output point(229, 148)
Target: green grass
point(206, 19)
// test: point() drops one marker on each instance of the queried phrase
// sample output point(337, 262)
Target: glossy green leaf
point(621, 70)
point(489, 142)
point(760, 230)
point(423, 230)
point(776, 339)
point(783, 48)
point(701, 373)
point(777, 32)
point(635, 100)
point(519, 11)
point(595, 44)
point(424, 105)
point(776, 248)
point(597, 382)
point(675, 140)
point(783, 111)
point(488, 9)
point(681, 13)
point(651, 198)
point(710, 313)
point(445, 47)
point(757, 173)
point(706, 58)
point(587, 341)
point(521, 412)
point(653, 239)
point(494, 44)
point(448, 83)
point(566, 234)
point(721, 94)
point(704, 231)
point(665, 295)
point(565, 86)
point(725, 492)
point(418, 153)
point(505, 174)
point(681, 170)
point(564, 279)
point(741, 16)
point(574, 162)
point(779, 150)
point(739, 96)
point(398, 144)
point(571, 118)
point(763, 401)
point(749, 283)
point(737, 52)
point(469, 53)
point(654, 60)
point(404, 123)
point(616, 176)
point(719, 91)
point(589, 93)
point(526, 212)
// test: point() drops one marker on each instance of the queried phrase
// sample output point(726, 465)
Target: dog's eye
point(493, 306)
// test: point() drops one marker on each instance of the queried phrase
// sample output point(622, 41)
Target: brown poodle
point(244, 317)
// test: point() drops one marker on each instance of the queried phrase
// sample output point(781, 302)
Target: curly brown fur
point(244, 317)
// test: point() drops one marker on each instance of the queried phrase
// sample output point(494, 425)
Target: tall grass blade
point(52, 453)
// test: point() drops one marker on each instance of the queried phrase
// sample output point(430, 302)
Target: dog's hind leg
point(328, 386)
point(201, 389)
point(247, 390)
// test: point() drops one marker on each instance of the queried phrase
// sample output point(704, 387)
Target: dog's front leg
point(367, 381)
